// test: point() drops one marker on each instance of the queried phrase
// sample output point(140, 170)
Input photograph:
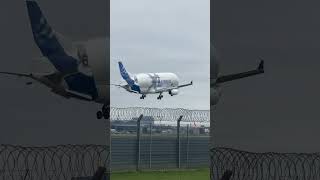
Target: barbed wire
point(264, 166)
point(67, 161)
point(165, 114)
point(61, 162)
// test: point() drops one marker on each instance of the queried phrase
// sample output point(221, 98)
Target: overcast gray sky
point(162, 36)
point(279, 110)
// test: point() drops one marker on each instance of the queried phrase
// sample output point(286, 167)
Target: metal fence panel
point(162, 154)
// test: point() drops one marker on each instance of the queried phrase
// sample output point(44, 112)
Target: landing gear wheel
point(143, 96)
point(106, 115)
point(105, 112)
point(160, 97)
point(99, 115)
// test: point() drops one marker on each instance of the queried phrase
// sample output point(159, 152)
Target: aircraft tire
point(106, 115)
point(99, 115)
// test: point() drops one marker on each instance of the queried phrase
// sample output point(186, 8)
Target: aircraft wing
point(184, 85)
point(20, 75)
point(17, 74)
point(231, 77)
point(171, 88)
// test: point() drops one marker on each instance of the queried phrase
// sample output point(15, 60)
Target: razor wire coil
point(264, 166)
point(52, 162)
point(164, 114)
point(67, 161)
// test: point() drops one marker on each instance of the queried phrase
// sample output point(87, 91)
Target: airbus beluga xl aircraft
point(151, 83)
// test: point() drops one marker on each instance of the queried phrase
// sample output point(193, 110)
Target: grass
point(200, 174)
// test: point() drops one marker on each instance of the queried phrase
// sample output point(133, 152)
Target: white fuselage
point(150, 83)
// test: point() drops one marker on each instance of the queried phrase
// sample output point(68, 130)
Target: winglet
point(261, 65)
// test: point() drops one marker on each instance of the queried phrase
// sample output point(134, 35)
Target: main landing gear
point(104, 113)
point(160, 96)
point(143, 96)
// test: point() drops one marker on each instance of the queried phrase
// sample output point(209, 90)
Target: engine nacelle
point(174, 92)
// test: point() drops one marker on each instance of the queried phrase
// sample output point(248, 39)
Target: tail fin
point(47, 41)
point(43, 34)
point(125, 75)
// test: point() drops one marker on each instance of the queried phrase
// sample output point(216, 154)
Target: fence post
point(178, 141)
point(108, 143)
point(138, 142)
point(150, 148)
point(188, 146)
point(211, 143)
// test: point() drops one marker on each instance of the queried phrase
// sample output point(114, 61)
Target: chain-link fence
point(155, 151)
point(160, 147)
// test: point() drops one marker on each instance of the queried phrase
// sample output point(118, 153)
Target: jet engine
point(174, 92)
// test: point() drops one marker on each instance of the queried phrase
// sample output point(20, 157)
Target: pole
point(150, 147)
point(108, 145)
point(188, 145)
point(138, 141)
point(211, 144)
point(178, 141)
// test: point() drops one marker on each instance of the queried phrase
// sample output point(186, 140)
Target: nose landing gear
point(104, 113)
